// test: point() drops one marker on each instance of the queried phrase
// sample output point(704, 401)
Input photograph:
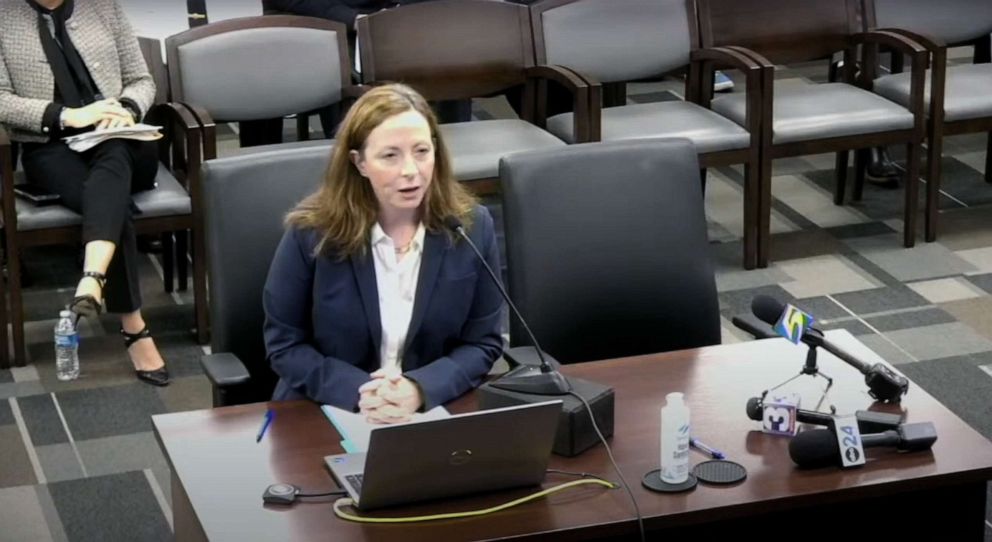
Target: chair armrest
point(585, 99)
point(932, 43)
point(759, 76)
point(224, 370)
point(920, 57)
point(892, 40)
point(938, 65)
point(208, 126)
point(4, 138)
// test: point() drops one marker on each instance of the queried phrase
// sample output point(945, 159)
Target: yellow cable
point(338, 504)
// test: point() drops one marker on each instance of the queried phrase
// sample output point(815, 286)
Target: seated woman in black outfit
point(68, 67)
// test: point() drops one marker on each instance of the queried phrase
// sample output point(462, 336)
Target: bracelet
point(62, 118)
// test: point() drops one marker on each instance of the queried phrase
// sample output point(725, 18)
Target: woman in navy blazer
point(383, 202)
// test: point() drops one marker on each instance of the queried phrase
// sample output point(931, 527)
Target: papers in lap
point(88, 140)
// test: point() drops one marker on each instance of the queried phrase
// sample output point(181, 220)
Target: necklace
point(403, 249)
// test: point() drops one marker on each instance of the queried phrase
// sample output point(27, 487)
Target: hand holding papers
point(86, 141)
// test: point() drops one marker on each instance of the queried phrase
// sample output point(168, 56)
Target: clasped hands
point(389, 397)
point(103, 114)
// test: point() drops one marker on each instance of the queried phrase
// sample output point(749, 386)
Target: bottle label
point(67, 341)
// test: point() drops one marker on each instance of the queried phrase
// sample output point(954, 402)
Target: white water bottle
point(66, 348)
point(674, 440)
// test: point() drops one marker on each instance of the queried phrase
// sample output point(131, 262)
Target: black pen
point(269, 415)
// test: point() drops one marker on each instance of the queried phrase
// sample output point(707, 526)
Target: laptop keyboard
point(356, 481)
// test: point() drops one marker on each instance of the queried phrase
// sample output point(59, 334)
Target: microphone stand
point(541, 380)
point(809, 368)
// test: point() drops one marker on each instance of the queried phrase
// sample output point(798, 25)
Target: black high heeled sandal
point(86, 305)
point(158, 377)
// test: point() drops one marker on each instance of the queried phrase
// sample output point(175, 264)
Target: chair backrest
point(607, 253)
point(951, 21)
point(784, 31)
point(259, 67)
point(448, 49)
point(246, 198)
point(614, 40)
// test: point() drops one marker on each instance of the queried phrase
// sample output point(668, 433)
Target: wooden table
point(219, 472)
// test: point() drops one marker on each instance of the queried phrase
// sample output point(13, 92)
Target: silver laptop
point(466, 453)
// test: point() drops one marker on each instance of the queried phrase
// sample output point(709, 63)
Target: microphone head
point(754, 408)
point(814, 448)
point(767, 309)
point(452, 223)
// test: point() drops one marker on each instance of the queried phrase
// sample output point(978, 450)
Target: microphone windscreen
point(452, 223)
point(814, 448)
point(754, 409)
point(767, 309)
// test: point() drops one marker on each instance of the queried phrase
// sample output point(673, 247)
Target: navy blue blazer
point(323, 330)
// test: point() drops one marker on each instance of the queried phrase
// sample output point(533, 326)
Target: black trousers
point(98, 185)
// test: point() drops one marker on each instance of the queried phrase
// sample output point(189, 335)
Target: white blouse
point(396, 282)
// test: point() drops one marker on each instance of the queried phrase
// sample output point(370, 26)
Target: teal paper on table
point(356, 432)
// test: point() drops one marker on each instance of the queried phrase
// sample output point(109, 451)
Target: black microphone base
point(530, 379)
point(575, 433)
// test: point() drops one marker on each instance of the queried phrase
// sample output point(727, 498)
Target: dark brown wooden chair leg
point(168, 261)
point(840, 187)
point(912, 188)
point(988, 159)
point(764, 194)
point(16, 306)
point(861, 158)
point(4, 344)
point(751, 181)
point(200, 288)
point(182, 259)
point(934, 173)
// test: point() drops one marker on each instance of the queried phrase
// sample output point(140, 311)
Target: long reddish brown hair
point(344, 209)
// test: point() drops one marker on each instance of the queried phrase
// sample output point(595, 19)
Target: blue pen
point(269, 415)
point(714, 453)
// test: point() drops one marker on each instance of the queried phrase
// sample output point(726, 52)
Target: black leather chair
point(607, 253)
point(247, 197)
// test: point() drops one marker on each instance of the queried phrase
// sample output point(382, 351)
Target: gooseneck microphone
point(868, 421)
point(545, 380)
point(884, 384)
point(818, 447)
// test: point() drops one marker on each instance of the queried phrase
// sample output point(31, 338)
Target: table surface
point(223, 471)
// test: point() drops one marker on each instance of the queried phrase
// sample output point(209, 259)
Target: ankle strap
point(99, 277)
point(131, 338)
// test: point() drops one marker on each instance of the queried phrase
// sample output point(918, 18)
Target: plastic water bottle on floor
point(66, 348)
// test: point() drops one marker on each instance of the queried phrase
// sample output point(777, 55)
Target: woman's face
point(398, 161)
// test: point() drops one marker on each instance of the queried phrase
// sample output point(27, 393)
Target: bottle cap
point(674, 397)
point(65, 313)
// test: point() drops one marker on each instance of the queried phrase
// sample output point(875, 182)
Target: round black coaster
point(652, 481)
point(719, 471)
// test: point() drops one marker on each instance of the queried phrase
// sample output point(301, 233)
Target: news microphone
point(819, 448)
point(868, 421)
point(884, 384)
point(548, 381)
